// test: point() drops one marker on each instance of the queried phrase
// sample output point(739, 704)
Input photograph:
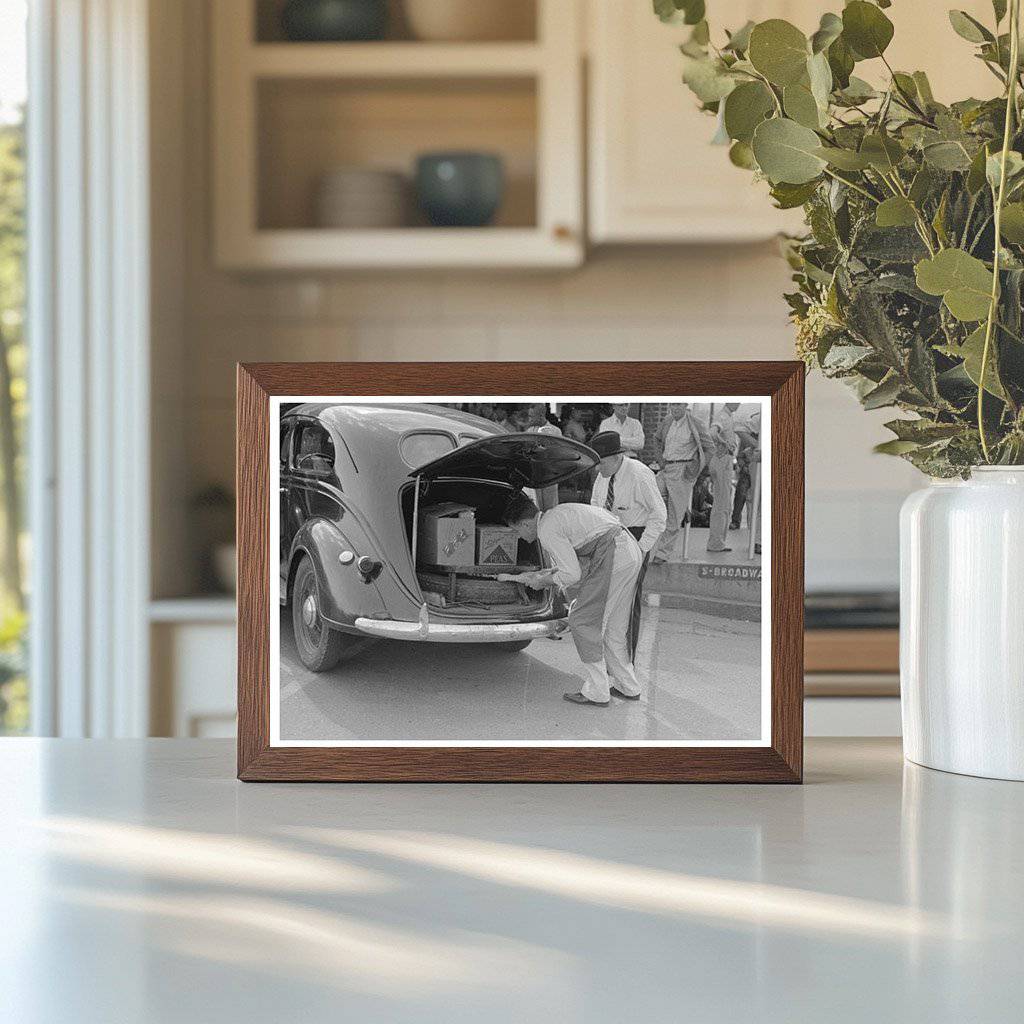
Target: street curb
point(718, 606)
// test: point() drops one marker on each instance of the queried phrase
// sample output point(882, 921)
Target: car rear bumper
point(458, 633)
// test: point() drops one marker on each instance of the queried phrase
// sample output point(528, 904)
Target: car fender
point(345, 594)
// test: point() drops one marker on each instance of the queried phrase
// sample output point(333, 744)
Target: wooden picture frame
point(780, 760)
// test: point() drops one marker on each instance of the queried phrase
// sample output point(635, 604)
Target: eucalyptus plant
point(910, 277)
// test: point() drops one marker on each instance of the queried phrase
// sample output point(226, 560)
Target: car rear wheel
point(320, 647)
point(513, 645)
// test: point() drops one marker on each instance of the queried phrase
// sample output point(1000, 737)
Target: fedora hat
point(607, 443)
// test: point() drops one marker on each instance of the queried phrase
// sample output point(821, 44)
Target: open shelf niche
point(287, 113)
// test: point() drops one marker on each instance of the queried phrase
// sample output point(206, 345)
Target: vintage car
point(354, 480)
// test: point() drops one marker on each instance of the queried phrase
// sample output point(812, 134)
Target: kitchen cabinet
point(288, 114)
point(653, 175)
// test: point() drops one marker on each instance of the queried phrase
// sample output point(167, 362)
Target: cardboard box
point(496, 545)
point(446, 534)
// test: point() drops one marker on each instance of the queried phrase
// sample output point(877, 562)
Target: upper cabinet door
point(654, 175)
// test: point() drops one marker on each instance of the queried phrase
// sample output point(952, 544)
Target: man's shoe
point(625, 696)
point(578, 698)
point(718, 551)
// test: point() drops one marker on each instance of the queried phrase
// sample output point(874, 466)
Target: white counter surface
point(140, 882)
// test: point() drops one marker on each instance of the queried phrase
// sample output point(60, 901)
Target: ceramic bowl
point(359, 197)
point(332, 21)
point(459, 189)
point(470, 20)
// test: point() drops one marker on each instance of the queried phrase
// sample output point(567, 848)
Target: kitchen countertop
point(140, 882)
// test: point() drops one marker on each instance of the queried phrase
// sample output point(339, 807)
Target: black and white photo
point(522, 570)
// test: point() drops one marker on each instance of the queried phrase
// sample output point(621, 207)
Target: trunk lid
point(523, 460)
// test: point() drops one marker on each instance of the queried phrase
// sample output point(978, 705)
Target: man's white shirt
point(637, 500)
point(680, 441)
point(631, 431)
point(566, 527)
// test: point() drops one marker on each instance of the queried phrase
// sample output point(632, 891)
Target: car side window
point(314, 452)
point(286, 444)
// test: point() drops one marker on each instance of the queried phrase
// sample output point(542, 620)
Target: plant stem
point(1011, 108)
point(853, 185)
point(910, 102)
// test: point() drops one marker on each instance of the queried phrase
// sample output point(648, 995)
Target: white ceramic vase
point(962, 624)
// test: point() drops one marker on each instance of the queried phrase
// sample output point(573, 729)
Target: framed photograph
point(520, 571)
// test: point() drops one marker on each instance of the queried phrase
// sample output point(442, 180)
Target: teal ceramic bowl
point(460, 189)
point(334, 21)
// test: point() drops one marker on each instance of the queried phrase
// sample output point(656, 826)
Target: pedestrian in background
point(629, 429)
point(748, 435)
point(516, 420)
point(682, 446)
point(539, 422)
point(573, 425)
point(720, 467)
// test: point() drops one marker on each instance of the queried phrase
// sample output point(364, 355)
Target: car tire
point(319, 647)
point(512, 646)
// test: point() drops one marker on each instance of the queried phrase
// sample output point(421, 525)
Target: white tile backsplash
point(714, 303)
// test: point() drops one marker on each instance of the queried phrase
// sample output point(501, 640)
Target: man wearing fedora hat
point(629, 490)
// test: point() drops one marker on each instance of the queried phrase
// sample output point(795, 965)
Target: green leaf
point(707, 78)
point(924, 88)
point(866, 29)
point(779, 51)
point(1012, 223)
point(883, 152)
point(969, 28)
point(819, 74)
point(801, 106)
point(745, 108)
point(895, 212)
point(693, 10)
point(885, 394)
point(701, 34)
point(999, 9)
point(895, 447)
point(923, 431)
point(939, 220)
point(976, 173)
point(840, 61)
point(844, 159)
point(741, 155)
point(787, 151)
point(963, 281)
point(993, 167)
point(889, 245)
point(857, 91)
point(739, 41)
point(665, 10)
point(947, 156)
point(921, 370)
point(829, 29)
point(922, 185)
point(690, 12)
point(971, 351)
point(788, 196)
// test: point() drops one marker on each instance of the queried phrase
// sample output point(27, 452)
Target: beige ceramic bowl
point(471, 20)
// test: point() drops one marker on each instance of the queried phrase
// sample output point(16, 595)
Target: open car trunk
point(471, 586)
point(455, 570)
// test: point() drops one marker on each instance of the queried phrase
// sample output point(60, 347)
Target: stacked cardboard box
point(496, 546)
point(447, 534)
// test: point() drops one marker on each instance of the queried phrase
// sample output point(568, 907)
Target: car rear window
point(424, 446)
